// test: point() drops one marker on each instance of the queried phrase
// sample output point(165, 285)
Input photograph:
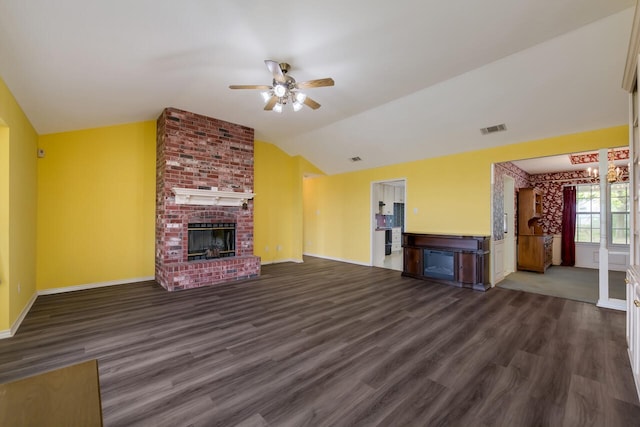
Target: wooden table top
point(64, 397)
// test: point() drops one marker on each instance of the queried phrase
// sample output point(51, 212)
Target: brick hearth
point(199, 152)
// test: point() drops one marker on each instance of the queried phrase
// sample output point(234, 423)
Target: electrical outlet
point(18, 287)
point(279, 248)
point(266, 248)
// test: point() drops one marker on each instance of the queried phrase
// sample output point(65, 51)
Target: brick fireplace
point(204, 176)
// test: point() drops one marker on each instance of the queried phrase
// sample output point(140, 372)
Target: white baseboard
point(614, 304)
point(8, 333)
point(94, 285)
point(350, 261)
point(298, 261)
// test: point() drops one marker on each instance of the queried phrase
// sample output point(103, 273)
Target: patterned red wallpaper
point(551, 185)
point(586, 158)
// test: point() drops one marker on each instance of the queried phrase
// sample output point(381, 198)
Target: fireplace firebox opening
point(438, 264)
point(209, 240)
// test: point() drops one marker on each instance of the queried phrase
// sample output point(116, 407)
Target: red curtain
point(569, 226)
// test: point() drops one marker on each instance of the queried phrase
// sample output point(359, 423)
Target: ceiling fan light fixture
point(279, 90)
point(284, 89)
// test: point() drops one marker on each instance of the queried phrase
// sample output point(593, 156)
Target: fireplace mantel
point(212, 197)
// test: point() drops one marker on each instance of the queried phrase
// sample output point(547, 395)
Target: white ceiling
point(560, 163)
point(413, 79)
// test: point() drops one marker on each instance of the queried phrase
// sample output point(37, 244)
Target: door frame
point(374, 207)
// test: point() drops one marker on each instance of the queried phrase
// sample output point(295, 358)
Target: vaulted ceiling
point(412, 79)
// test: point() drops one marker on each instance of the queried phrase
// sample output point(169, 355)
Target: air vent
point(355, 159)
point(492, 129)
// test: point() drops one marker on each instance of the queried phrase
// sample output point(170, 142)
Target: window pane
point(583, 235)
point(584, 205)
point(619, 237)
point(619, 220)
point(588, 213)
point(584, 220)
point(619, 204)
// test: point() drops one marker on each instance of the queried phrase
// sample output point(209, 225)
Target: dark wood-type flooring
point(328, 343)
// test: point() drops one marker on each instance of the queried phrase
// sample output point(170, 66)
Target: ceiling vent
point(355, 159)
point(493, 129)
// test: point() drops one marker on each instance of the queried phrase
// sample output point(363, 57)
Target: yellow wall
point(95, 197)
point(278, 203)
point(450, 194)
point(18, 145)
point(4, 227)
point(96, 205)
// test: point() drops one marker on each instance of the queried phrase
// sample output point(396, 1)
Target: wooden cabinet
point(465, 258)
point(388, 195)
point(412, 261)
point(534, 253)
point(534, 248)
point(467, 268)
point(396, 239)
point(529, 211)
point(398, 195)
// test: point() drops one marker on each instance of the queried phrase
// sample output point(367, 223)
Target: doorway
point(388, 221)
point(550, 175)
point(509, 253)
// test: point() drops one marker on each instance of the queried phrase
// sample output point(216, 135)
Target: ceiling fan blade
point(315, 83)
point(274, 67)
point(264, 87)
point(311, 103)
point(271, 103)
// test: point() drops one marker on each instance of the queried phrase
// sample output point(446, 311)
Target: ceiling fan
point(285, 89)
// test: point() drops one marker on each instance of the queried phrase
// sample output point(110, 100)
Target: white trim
point(212, 197)
point(629, 78)
point(338, 259)
point(612, 303)
point(497, 256)
point(636, 378)
point(282, 260)
point(8, 333)
point(94, 285)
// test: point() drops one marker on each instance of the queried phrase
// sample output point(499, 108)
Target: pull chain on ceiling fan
point(285, 89)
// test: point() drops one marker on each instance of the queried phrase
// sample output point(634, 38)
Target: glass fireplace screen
point(438, 264)
point(209, 240)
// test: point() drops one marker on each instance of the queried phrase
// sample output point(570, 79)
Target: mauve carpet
point(580, 284)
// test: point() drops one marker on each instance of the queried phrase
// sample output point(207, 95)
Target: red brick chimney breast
point(199, 152)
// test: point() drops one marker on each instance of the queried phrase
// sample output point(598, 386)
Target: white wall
point(587, 255)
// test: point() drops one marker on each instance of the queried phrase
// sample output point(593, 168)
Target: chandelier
point(614, 173)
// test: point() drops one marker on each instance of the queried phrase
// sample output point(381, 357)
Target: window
point(588, 213)
point(619, 214)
